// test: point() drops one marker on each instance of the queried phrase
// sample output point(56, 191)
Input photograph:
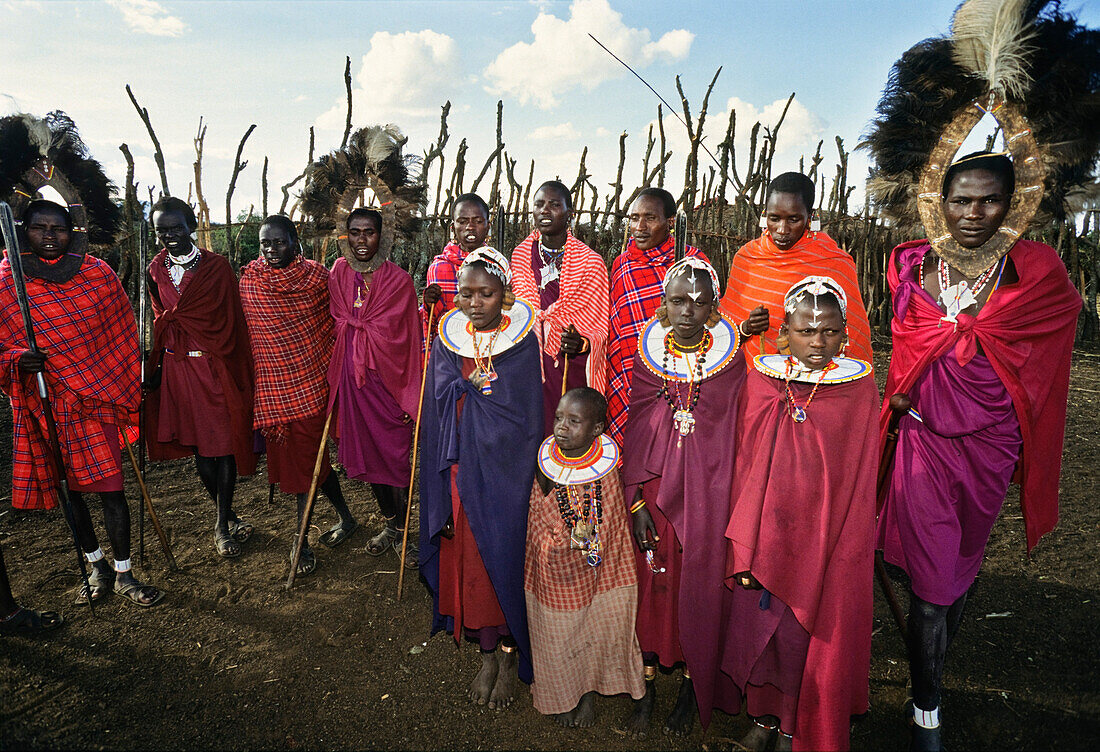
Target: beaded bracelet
point(637, 506)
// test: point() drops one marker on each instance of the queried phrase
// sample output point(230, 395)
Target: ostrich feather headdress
point(35, 152)
point(1030, 66)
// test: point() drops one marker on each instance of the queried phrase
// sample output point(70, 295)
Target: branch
point(238, 165)
point(158, 154)
point(347, 85)
point(286, 188)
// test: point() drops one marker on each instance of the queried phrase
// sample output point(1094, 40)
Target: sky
point(279, 65)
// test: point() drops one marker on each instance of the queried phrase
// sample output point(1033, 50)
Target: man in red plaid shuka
point(87, 349)
point(636, 289)
point(470, 226)
point(286, 304)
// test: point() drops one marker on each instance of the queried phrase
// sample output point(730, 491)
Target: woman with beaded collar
point(678, 460)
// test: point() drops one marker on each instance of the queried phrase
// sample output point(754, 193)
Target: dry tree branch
point(286, 188)
point(238, 165)
point(347, 85)
point(495, 155)
point(263, 187)
point(203, 214)
point(158, 154)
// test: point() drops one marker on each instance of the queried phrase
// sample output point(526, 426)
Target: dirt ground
point(231, 660)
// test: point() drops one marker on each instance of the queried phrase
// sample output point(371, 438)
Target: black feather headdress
point(35, 152)
point(1027, 54)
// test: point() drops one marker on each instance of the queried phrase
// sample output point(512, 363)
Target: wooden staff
point(899, 405)
point(148, 501)
point(564, 375)
point(412, 467)
point(143, 271)
point(309, 503)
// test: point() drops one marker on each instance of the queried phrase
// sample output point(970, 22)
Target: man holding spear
point(85, 346)
point(286, 305)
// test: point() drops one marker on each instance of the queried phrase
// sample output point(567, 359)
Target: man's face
point(277, 247)
point(975, 206)
point(363, 238)
point(48, 234)
point(550, 212)
point(470, 226)
point(787, 217)
point(648, 224)
point(173, 232)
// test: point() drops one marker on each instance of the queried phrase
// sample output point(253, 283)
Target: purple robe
point(495, 445)
point(950, 476)
point(694, 495)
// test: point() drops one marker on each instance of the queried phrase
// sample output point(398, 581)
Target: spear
point(498, 231)
point(11, 242)
point(680, 234)
point(143, 260)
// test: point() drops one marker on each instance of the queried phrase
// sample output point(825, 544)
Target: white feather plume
point(39, 132)
point(991, 40)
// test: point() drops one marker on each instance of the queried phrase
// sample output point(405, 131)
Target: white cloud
point(401, 77)
point(562, 57)
point(149, 17)
point(556, 132)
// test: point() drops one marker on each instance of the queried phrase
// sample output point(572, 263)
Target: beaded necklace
point(485, 364)
point(682, 414)
point(798, 413)
point(581, 508)
point(551, 264)
point(957, 298)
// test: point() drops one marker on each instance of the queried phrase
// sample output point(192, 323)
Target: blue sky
point(280, 65)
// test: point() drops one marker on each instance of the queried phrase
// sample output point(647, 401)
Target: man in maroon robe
point(200, 385)
point(985, 361)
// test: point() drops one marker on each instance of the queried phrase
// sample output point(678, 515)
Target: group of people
point(621, 471)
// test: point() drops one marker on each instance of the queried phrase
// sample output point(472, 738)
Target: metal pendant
point(581, 537)
point(685, 422)
point(548, 273)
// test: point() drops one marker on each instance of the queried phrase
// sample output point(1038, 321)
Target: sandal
point(384, 541)
point(100, 583)
point(307, 560)
point(338, 533)
point(240, 530)
point(26, 622)
point(412, 550)
point(226, 545)
point(139, 594)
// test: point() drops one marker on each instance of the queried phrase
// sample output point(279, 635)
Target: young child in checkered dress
point(580, 580)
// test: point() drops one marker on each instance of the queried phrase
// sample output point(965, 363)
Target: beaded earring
point(662, 315)
point(763, 221)
point(509, 299)
point(815, 222)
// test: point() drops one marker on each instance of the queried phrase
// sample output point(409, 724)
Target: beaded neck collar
point(723, 346)
point(457, 333)
point(598, 461)
point(788, 368)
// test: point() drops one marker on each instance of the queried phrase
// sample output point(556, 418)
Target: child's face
point(575, 426)
point(814, 345)
point(688, 315)
point(481, 297)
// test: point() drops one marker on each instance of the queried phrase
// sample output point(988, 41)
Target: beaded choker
point(721, 347)
point(600, 459)
point(578, 487)
point(789, 369)
point(457, 333)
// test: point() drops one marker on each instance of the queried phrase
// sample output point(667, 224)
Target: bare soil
point(231, 660)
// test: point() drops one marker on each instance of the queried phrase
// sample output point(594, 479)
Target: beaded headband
point(814, 286)
point(494, 261)
point(685, 267)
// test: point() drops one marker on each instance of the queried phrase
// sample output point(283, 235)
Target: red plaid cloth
point(87, 327)
point(581, 302)
point(291, 331)
point(443, 271)
point(636, 292)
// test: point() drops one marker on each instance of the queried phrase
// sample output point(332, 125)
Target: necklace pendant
point(580, 539)
point(685, 423)
point(594, 559)
point(358, 298)
point(798, 414)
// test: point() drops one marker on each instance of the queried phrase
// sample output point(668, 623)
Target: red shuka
point(210, 314)
point(1026, 330)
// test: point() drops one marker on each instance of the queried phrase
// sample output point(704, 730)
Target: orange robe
point(761, 274)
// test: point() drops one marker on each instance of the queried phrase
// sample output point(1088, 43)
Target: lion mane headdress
point(1031, 67)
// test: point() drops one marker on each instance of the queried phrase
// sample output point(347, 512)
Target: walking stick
point(899, 405)
point(149, 504)
point(309, 503)
point(143, 257)
point(412, 467)
point(564, 375)
point(11, 242)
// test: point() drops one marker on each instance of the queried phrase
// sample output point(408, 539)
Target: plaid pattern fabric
point(443, 271)
point(87, 327)
point(636, 292)
point(583, 301)
point(291, 332)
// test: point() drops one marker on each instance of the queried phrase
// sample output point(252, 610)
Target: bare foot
point(482, 685)
point(784, 743)
point(504, 691)
point(565, 720)
point(757, 738)
point(585, 711)
point(637, 724)
point(682, 717)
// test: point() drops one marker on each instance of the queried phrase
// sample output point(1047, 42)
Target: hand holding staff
point(11, 242)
